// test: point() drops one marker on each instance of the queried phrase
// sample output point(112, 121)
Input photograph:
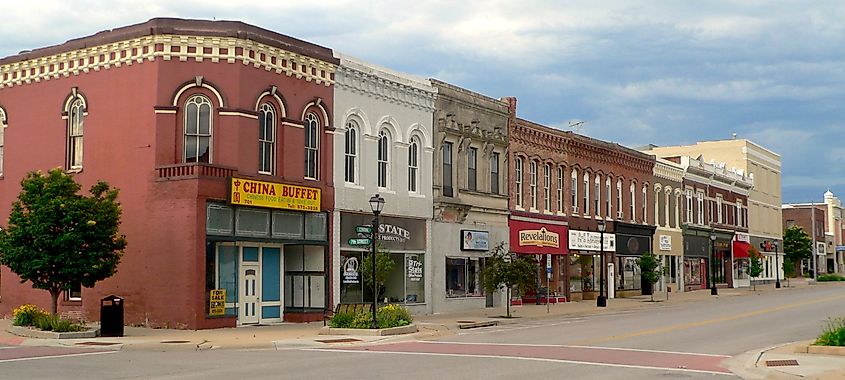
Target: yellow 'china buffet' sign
point(274, 195)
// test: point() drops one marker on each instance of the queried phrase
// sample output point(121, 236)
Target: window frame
point(3, 125)
point(560, 190)
point(689, 203)
point(479, 266)
point(597, 195)
point(644, 202)
point(494, 172)
point(312, 146)
point(620, 203)
point(204, 101)
point(608, 203)
point(532, 173)
point(383, 159)
point(574, 190)
point(350, 152)
point(518, 172)
point(72, 295)
point(699, 196)
point(448, 184)
point(472, 169)
point(75, 134)
point(547, 187)
point(586, 193)
point(414, 165)
point(633, 205)
point(266, 112)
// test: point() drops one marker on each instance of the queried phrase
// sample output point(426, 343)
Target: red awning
point(741, 249)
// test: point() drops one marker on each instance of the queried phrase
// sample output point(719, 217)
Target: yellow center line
point(686, 325)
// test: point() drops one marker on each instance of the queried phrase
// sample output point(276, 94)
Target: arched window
point(533, 184)
point(586, 193)
point(573, 189)
point(2, 136)
point(547, 187)
point(607, 197)
point(645, 203)
point(312, 146)
point(383, 159)
point(75, 116)
point(266, 139)
point(597, 196)
point(560, 190)
point(350, 151)
point(518, 180)
point(198, 142)
point(633, 201)
point(620, 213)
point(413, 165)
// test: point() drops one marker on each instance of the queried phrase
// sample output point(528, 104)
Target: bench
point(352, 308)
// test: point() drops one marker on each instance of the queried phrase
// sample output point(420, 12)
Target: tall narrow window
point(620, 213)
point(533, 184)
point(448, 191)
point(586, 194)
point(494, 173)
point(608, 196)
point(573, 189)
point(645, 203)
point(689, 206)
point(383, 159)
point(633, 201)
point(700, 201)
point(560, 190)
point(596, 196)
point(197, 130)
point(547, 187)
point(266, 139)
point(472, 165)
point(2, 137)
point(413, 165)
point(719, 216)
point(517, 165)
point(350, 151)
point(738, 216)
point(312, 146)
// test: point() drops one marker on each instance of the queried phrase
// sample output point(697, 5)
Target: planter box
point(409, 329)
point(34, 333)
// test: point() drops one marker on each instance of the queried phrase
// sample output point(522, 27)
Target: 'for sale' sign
point(217, 302)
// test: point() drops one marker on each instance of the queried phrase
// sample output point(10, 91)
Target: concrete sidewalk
point(299, 335)
point(762, 364)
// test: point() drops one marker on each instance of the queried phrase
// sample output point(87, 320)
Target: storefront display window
point(351, 282)
point(741, 269)
point(692, 272)
point(305, 280)
point(629, 274)
point(582, 273)
point(463, 277)
point(406, 282)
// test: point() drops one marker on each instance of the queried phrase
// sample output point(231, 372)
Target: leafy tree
point(755, 265)
point(650, 270)
point(797, 246)
point(508, 270)
point(57, 238)
point(384, 265)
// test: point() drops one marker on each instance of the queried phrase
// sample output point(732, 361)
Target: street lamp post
point(713, 290)
point(777, 268)
point(376, 204)
point(601, 301)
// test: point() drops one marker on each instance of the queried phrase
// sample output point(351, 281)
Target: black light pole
point(713, 290)
point(601, 301)
point(777, 268)
point(376, 204)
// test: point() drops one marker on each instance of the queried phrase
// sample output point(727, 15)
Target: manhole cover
point(781, 363)
point(176, 341)
point(96, 343)
point(339, 340)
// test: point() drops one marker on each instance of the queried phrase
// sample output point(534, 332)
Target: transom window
point(266, 139)
point(75, 122)
point(312, 146)
point(383, 159)
point(197, 130)
point(413, 165)
point(350, 151)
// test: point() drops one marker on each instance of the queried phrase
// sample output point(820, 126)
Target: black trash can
point(111, 316)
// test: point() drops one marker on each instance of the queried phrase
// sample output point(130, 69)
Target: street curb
point(409, 329)
point(27, 332)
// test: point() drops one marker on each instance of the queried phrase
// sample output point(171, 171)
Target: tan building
point(835, 227)
point(668, 241)
point(764, 200)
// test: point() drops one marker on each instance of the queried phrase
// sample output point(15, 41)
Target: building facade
point(470, 194)
point(812, 218)
point(219, 136)
point(836, 228)
point(383, 145)
point(668, 242)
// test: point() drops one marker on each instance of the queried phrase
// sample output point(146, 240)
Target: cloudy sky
point(660, 72)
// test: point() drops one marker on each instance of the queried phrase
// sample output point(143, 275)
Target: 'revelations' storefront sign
point(249, 192)
point(537, 238)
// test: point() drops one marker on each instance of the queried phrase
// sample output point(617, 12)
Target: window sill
point(384, 190)
point(75, 170)
point(416, 195)
point(350, 185)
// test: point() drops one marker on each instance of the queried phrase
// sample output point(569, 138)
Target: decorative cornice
point(385, 86)
point(167, 47)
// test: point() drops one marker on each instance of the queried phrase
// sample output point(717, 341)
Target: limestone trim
point(386, 86)
point(668, 170)
point(167, 47)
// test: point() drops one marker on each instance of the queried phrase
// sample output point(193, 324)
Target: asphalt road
point(689, 340)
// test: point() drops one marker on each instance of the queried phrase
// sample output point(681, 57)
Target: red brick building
point(566, 183)
point(182, 116)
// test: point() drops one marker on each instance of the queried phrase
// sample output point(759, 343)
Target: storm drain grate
point(339, 340)
point(96, 343)
point(781, 363)
point(175, 341)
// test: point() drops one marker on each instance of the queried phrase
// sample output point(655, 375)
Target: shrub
point(26, 315)
point(393, 316)
point(362, 321)
point(833, 334)
point(830, 277)
point(342, 320)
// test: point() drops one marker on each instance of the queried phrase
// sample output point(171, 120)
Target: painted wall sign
point(475, 240)
point(665, 243)
point(217, 302)
point(274, 195)
point(350, 273)
point(591, 241)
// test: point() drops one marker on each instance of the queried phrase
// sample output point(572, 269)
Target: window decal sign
point(274, 195)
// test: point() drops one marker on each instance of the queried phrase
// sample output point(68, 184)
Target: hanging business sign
point(475, 240)
point(249, 192)
point(665, 243)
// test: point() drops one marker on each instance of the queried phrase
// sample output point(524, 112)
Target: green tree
point(797, 246)
point(384, 265)
point(508, 270)
point(57, 238)
point(649, 270)
point(755, 265)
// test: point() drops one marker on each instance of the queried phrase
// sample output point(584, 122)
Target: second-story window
point(719, 205)
point(533, 184)
point(312, 146)
point(448, 190)
point(586, 194)
point(413, 164)
point(633, 202)
point(2, 137)
point(700, 204)
point(645, 203)
point(383, 159)
point(472, 165)
point(350, 151)
point(597, 195)
point(560, 190)
point(689, 206)
point(494, 173)
point(573, 189)
point(266, 139)
point(607, 197)
point(738, 216)
point(547, 189)
point(197, 130)
point(620, 213)
point(517, 166)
